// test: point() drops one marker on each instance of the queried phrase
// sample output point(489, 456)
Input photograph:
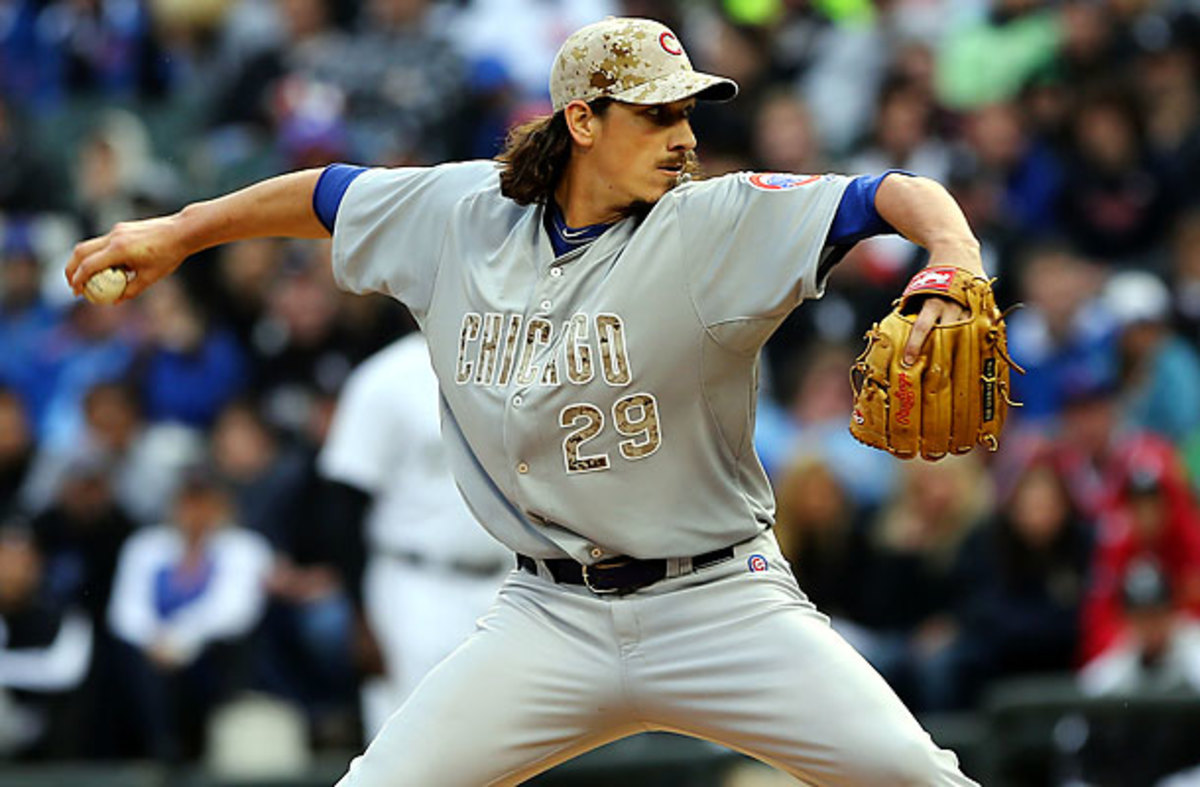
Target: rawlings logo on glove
point(955, 395)
point(905, 399)
point(938, 279)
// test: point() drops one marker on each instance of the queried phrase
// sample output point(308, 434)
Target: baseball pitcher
point(594, 319)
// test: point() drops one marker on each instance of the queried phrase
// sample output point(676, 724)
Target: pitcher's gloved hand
point(955, 393)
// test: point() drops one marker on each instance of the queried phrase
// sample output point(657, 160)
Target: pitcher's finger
point(916, 337)
point(134, 286)
point(105, 257)
point(80, 253)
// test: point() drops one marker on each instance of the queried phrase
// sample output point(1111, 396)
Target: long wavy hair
point(535, 156)
point(536, 153)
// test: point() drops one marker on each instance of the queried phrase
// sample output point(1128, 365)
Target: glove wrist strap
point(946, 281)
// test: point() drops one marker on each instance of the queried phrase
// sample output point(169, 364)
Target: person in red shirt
point(1153, 517)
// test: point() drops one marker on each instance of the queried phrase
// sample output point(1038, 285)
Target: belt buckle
point(587, 580)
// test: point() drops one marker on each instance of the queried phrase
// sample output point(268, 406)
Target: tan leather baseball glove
point(956, 394)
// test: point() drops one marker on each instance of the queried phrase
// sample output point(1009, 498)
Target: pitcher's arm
point(923, 211)
point(281, 206)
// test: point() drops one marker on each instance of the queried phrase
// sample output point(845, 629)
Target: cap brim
point(678, 86)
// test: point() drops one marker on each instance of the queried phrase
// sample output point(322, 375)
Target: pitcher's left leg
point(746, 661)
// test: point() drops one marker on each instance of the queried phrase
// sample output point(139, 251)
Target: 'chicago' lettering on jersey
point(495, 348)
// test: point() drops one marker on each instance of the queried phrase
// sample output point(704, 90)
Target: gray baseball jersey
point(602, 402)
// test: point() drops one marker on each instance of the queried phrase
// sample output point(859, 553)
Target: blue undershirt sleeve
point(856, 216)
point(330, 188)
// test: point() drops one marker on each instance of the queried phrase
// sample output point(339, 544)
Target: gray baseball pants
point(726, 653)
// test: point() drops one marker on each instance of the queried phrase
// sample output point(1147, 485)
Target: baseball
point(106, 286)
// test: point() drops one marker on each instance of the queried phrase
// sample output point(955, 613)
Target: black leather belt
point(618, 576)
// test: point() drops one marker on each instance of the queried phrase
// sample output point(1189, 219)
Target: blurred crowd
point(166, 540)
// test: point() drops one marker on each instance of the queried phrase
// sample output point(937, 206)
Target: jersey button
point(555, 273)
point(517, 401)
point(596, 552)
point(522, 468)
point(545, 306)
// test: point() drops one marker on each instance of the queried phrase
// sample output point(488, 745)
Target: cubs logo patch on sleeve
point(779, 181)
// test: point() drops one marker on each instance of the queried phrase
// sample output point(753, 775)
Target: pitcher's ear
point(581, 123)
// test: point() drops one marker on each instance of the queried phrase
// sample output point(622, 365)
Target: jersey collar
point(564, 239)
point(612, 239)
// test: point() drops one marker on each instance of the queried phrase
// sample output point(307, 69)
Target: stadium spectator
point(1160, 651)
point(1023, 574)
point(98, 48)
point(902, 137)
point(785, 138)
point(405, 85)
point(1161, 371)
point(1155, 518)
point(247, 274)
point(1097, 451)
point(743, 52)
point(1063, 337)
point(814, 423)
point(117, 174)
point(190, 367)
point(301, 348)
point(823, 535)
point(282, 104)
point(1159, 657)
point(1120, 203)
point(906, 624)
point(27, 320)
point(1019, 169)
point(45, 652)
point(186, 598)
point(80, 536)
point(1091, 42)
point(92, 345)
point(263, 477)
point(306, 651)
point(144, 459)
point(1168, 91)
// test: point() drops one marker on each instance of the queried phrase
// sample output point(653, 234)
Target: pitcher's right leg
point(536, 684)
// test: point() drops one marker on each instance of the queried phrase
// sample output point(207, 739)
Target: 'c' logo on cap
point(670, 43)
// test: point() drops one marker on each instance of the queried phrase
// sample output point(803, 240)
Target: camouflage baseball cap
point(638, 61)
